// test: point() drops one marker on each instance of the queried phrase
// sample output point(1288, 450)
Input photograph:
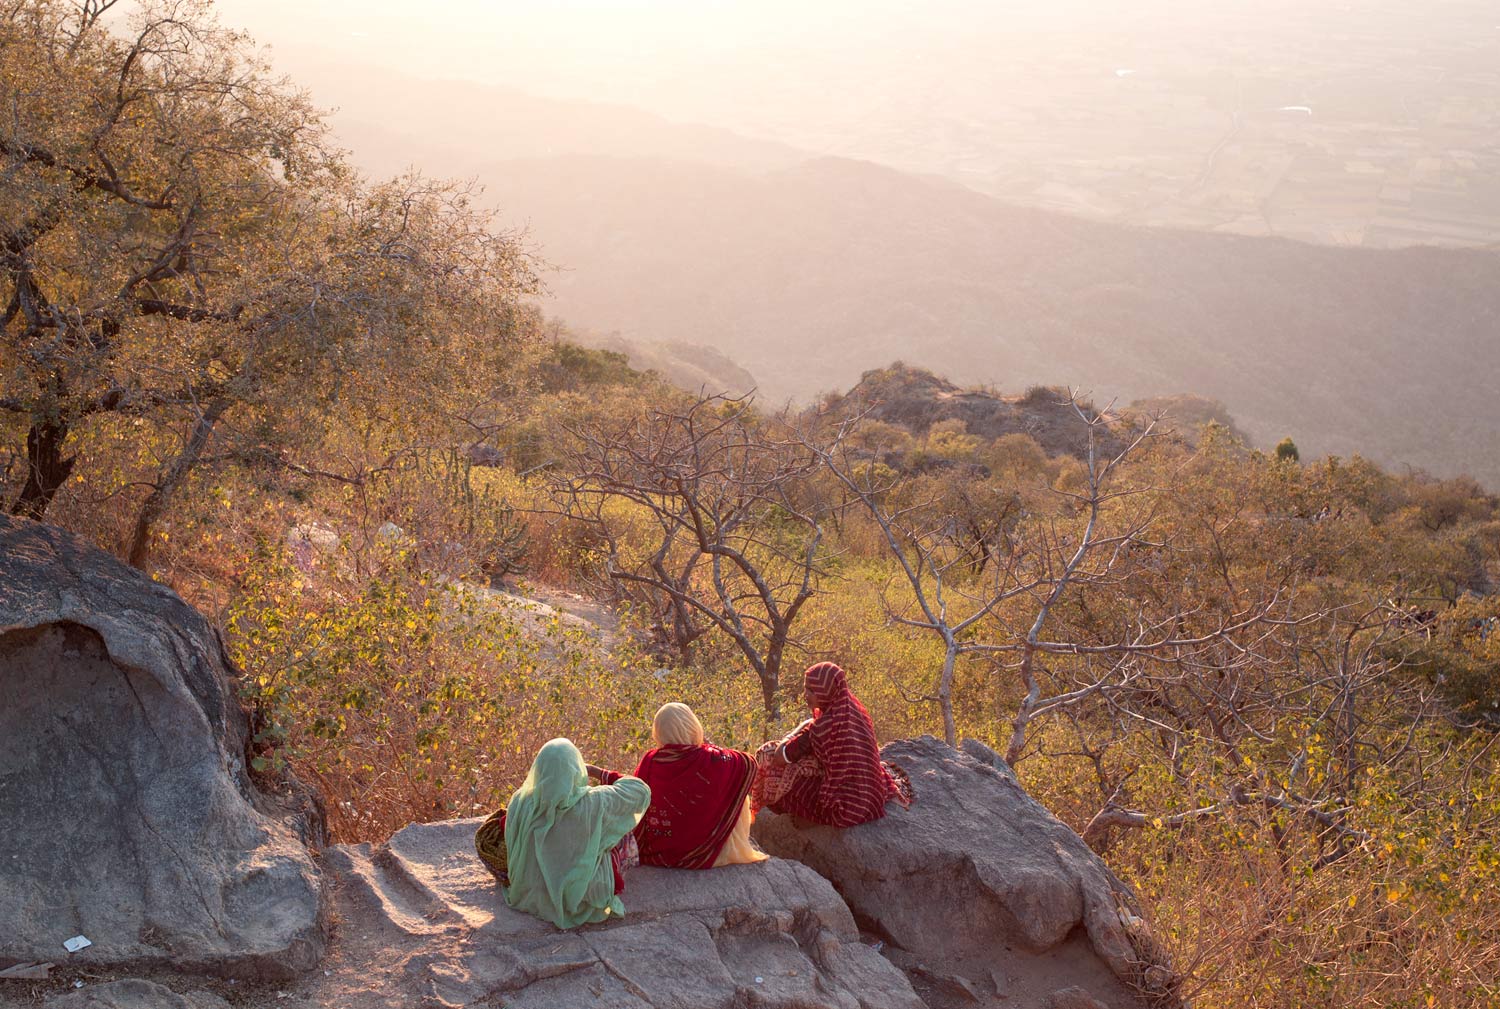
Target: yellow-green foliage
point(410, 698)
point(949, 439)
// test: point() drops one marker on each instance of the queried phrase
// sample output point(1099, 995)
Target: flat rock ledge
point(985, 896)
point(423, 925)
point(420, 924)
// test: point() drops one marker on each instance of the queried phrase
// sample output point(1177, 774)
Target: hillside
point(808, 272)
point(811, 275)
point(690, 367)
point(914, 400)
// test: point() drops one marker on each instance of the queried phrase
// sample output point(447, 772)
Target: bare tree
point(1071, 603)
point(714, 527)
point(1295, 735)
point(1202, 633)
point(1087, 561)
point(951, 586)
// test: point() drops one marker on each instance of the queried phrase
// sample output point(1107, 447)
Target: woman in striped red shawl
point(829, 769)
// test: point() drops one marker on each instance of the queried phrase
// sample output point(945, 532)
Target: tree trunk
point(172, 478)
point(770, 693)
point(46, 467)
point(945, 694)
point(770, 675)
point(684, 634)
point(1022, 719)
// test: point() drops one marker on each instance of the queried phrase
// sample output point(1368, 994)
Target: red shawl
point(854, 785)
point(697, 793)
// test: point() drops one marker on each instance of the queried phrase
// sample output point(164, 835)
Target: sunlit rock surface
point(424, 924)
point(981, 891)
point(129, 817)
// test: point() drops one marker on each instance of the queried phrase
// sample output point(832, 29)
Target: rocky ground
point(419, 923)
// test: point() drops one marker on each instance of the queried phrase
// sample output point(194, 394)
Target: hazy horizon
point(1351, 124)
point(1351, 127)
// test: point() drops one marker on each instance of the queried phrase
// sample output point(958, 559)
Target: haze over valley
point(808, 271)
point(1371, 123)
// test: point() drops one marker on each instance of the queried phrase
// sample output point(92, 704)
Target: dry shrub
point(410, 697)
point(1253, 928)
point(1257, 913)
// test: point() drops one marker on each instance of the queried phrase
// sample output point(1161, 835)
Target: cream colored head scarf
point(676, 725)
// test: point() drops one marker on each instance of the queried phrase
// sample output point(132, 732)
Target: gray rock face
point(424, 925)
point(1073, 998)
point(135, 994)
point(128, 814)
point(980, 882)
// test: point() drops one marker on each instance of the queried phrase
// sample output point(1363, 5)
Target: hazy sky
point(660, 52)
point(762, 64)
point(1346, 121)
point(1370, 123)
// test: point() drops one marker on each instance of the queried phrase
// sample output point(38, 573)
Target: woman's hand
point(777, 757)
point(597, 773)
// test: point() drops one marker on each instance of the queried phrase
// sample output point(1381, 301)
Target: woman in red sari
point(700, 797)
point(829, 769)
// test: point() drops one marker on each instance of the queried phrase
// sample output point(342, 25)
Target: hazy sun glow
point(1050, 103)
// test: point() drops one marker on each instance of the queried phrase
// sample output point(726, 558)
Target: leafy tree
point(949, 439)
point(570, 367)
point(1286, 451)
point(183, 246)
point(1458, 650)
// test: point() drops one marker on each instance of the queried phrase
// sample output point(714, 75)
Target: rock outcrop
point(129, 817)
point(983, 894)
point(421, 925)
point(424, 925)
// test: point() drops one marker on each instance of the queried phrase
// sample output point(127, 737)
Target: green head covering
point(558, 777)
point(558, 832)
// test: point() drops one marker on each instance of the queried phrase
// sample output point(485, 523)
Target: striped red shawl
point(855, 784)
point(697, 793)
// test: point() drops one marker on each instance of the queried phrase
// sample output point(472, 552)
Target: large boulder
point(129, 816)
point(423, 925)
point(981, 891)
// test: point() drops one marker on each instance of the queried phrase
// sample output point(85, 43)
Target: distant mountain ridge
point(813, 274)
point(690, 367)
point(809, 272)
point(449, 127)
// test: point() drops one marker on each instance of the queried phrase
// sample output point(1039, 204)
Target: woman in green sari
point(558, 834)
